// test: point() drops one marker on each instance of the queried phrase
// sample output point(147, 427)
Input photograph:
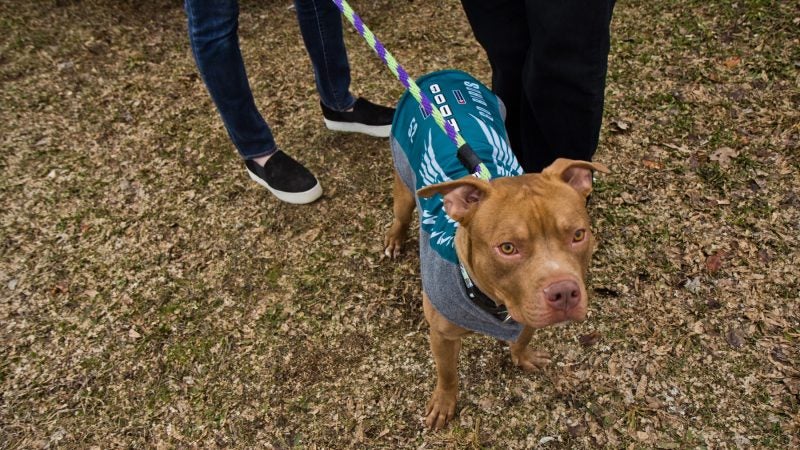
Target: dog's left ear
point(577, 174)
point(461, 197)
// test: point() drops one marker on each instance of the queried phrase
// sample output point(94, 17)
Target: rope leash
point(465, 153)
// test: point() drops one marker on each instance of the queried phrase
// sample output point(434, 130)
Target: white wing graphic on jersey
point(432, 173)
point(428, 218)
point(503, 158)
point(430, 170)
point(442, 238)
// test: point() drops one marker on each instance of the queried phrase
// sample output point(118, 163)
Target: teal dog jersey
point(474, 111)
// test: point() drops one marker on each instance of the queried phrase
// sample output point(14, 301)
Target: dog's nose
point(563, 295)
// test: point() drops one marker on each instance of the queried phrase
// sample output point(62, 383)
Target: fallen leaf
point(732, 62)
point(487, 403)
point(723, 156)
point(641, 387)
point(714, 262)
point(310, 235)
point(735, 337)
point(628, 199)
point(652, 164)
point(360, 436)
point(778, 355)
point(57, 436)
point(693, 285)
point(620, 125)
point(756, 185)
point(711, 76)
point(793, 384)
point(653, 402)
point(546, 439)
point(681, 148)
point(613, 370)
point(577, 430)
point(60, 288)
point(587, 340)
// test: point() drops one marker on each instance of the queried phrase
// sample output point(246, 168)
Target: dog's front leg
point(445, 346)
point(528, 359)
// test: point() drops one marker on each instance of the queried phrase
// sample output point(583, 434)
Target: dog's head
point(526, 241)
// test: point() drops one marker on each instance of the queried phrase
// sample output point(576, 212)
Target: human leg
point(564, 79)
point(214, 40)
point(502, 30)
point(321, 27)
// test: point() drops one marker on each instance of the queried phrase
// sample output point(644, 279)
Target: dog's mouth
point(541, 316)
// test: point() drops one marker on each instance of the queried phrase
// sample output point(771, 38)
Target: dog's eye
point(507, 248)
point(579, 235)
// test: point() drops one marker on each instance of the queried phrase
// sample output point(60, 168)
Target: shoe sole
point(297, 198)
point(381, 131)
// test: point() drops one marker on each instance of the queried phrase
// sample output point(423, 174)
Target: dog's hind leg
point(403, 209)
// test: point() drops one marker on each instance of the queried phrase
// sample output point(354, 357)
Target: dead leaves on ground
point(153, 298)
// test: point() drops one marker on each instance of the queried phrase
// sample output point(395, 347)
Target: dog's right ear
point(575, 173)
point(461, 197)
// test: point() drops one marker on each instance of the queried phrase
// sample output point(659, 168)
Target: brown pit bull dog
point(521, 244)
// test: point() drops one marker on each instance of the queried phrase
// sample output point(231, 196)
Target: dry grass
point(152, 296)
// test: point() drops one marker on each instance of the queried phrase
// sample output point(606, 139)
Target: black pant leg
point(564, 80)
point(501, 27)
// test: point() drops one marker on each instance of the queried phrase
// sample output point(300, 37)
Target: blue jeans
point(213, 26)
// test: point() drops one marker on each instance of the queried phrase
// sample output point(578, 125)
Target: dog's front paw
point(441, 408)
point(393, 242)
point(530, 360)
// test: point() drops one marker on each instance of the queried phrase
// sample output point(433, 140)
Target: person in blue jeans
point(213, 26)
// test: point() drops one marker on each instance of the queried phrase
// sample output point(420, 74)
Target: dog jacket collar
point(482, 300)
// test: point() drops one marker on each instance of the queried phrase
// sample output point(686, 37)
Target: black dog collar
point(482, 300)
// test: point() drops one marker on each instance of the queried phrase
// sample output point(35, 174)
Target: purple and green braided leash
point(465, 153)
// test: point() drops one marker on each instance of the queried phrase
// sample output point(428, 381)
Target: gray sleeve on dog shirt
point(442, 281)
point(502, 107)
point(403, 168)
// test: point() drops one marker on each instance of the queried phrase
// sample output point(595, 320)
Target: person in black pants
point(549, 61)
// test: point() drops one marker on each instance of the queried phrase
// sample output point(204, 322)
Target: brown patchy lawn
point(152, 296)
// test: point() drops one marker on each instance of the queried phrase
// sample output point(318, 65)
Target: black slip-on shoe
point(366, 117)
point(286, 178)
